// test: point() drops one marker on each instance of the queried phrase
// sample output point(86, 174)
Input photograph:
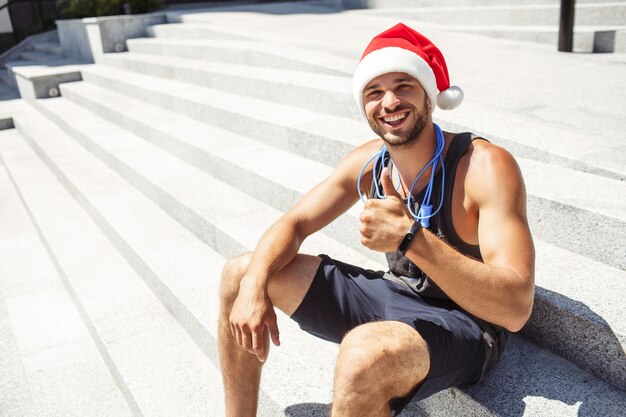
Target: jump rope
point(425, 211)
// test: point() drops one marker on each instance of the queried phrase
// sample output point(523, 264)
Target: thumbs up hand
point(384, 222)
point(387, 183)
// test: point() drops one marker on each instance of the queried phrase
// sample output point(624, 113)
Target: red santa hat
point(402, 49)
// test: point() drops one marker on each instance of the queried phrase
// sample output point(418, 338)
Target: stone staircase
point(40, 50)
point(123, 198)
point(600, 25)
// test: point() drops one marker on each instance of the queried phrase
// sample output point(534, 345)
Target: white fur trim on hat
point(393, 59)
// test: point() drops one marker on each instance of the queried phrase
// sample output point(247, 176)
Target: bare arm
point(252, 311)
point(500, 289)
point(320, 206)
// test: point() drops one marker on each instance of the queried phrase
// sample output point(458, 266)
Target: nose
point(390, 100)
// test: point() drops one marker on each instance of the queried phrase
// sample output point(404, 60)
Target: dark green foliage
point(145, 6)
point(89, 8)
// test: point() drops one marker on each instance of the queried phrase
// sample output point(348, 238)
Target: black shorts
point(344, 296)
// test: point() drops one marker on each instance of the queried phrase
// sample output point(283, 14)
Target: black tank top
point(405, 272)
point(441, 224)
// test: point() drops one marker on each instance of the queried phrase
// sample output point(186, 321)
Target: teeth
point(394, 118)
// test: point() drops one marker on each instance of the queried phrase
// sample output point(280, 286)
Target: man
point(448, 210)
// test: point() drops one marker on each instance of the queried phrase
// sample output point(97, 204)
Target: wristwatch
point(408, 238)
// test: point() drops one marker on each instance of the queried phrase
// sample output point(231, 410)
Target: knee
point(359, 359)
point(233, 271)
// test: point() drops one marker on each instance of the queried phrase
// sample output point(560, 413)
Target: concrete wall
point(85, 40)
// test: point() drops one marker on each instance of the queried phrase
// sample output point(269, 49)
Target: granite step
point(583, 123)
point(190, 31)
point(326, 139)
point(586, 38)
point(332, 95)
point(36, 56)
point(50, 48)
point(158, 243)
point(613, 13)
point(150, 357)
point(322, 93)
point(280, 8)
point(236, 51)
point(529, 381)
point(50, 364)
point(278, 178)
point(236, 230)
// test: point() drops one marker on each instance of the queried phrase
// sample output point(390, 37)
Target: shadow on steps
point(307, 410)
point(560, 322)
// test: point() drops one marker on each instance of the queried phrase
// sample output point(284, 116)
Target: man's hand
point(251, 318)
point(384, 222)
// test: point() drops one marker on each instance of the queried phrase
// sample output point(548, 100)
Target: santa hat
point(402, 49)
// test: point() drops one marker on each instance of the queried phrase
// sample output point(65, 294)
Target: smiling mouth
point(396, 120)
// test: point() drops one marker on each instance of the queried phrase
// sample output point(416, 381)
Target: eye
point(373, 94)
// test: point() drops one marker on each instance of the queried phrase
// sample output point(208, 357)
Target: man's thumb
point(387, 183)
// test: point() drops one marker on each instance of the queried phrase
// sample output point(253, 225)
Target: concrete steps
point(189, 31)
point(534, 22)
point(244, 165)
point(34, 56)
point(521, 21)
point(148, 248)
point(526, 14)
point(238, 52)
point(325, 94)
point(586, 141)
point(50, 48)
point(327, 138)
point(586, 38)
point(50, 364)
point(171, 158)
point(147, 353)
point(310, 90)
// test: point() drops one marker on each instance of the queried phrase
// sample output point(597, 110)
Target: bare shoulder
point(362, 153)
point(351, 165)
point(335, 194)
point(492, 172)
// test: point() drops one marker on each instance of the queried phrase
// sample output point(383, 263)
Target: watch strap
point(408, 238)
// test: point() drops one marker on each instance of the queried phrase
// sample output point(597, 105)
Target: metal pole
point(566, 26)
point(40, 10)
point(8, 6)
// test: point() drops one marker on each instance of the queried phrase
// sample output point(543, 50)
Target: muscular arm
point(252, 314)
point(320, 206)
point(500, 289)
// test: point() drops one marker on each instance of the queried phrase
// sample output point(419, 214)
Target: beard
point(403, 140)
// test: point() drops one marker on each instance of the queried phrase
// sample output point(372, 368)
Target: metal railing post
point(41, 20)
point(566, 26)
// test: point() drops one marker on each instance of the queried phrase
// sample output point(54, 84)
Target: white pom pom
point(450, 98)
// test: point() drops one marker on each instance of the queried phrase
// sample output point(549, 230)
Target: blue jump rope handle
point(424, 215)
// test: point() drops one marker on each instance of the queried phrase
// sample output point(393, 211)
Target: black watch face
point(405, 242)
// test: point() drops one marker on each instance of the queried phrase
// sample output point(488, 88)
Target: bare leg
point(378, 361)
point(241, 371)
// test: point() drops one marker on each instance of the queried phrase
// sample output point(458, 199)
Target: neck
point(410, 160)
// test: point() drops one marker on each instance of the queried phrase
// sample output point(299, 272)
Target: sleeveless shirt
point(440, 224)
point(405, 272)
